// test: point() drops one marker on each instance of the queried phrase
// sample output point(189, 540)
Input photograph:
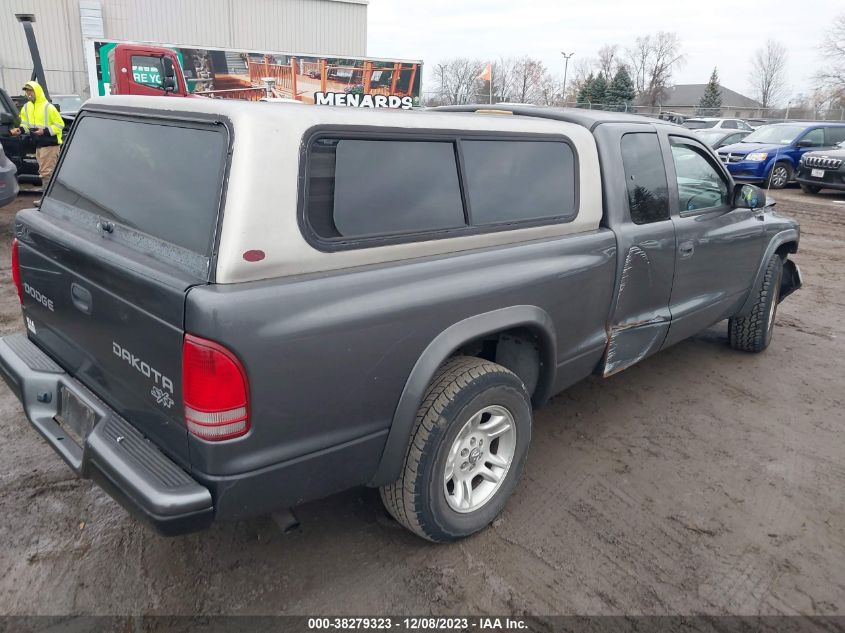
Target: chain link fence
point(678, 113)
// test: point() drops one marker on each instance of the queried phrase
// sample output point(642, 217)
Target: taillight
point(214, 388)
point(16, 269)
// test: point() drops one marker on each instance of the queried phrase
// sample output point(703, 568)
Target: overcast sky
point(715, 33)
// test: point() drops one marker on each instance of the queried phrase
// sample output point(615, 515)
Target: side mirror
point(749, 197)
point(6, 118)
point(169, 80)
point(805, 142)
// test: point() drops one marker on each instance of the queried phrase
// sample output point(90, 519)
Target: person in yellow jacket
point(42, 121)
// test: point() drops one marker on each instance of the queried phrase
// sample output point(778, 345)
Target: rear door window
point(645, 177)
point(159, 179)
point(517, 181)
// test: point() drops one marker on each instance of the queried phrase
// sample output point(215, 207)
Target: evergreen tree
point(711, 100)
point(585, 92)
point(621, 93)
point(599, 92)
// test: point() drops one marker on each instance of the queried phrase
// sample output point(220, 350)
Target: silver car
point(8, 180)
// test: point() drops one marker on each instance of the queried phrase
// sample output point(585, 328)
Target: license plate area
point(817, 173)
point(75, 417)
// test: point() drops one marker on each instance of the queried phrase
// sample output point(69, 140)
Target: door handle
point(81, 298)
point(686, 249)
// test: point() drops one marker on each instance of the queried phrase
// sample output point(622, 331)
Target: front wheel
point(753, 332)
point(779, 175)
point(467, 451)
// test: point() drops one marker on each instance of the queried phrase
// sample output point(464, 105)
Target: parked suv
point(822, 170)
point(263, 304)
point(771, 153)
point(710, 123)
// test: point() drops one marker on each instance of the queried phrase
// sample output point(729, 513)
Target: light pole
point(565, 69)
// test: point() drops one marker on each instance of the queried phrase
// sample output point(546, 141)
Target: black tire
point(753, 333)
point(811, 189)
point(779, 175)
point(462, 387)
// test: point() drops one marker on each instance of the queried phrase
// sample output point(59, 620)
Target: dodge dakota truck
point(231, 308)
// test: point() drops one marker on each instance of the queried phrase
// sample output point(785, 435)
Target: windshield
point(67, 103)
point(698, 124)
point(774, 134)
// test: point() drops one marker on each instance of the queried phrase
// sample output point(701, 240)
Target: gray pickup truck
point(232, 308)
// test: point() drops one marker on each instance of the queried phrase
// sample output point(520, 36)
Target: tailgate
point(103, 291)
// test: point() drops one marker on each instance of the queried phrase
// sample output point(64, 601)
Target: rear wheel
point(812, 189)
point(779, 175)
point(753, 332)
point(467, 451)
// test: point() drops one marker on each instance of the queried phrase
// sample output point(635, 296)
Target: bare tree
point(832, 78)
point(768, 73)
point(666, 54)
point(456, 80)
point(653, 58)
point(639, 55)
point(528, 78)
point(608, 60)
point(550, 90)
point(504, 79)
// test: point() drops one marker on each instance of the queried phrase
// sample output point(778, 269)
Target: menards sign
point(255, 75)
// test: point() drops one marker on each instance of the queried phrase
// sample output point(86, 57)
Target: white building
point(320, 27)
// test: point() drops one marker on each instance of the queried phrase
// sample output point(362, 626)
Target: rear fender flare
point(440, 349)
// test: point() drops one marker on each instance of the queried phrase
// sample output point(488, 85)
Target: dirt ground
point(701, 481)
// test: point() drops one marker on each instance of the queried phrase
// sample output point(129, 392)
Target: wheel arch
point(514, 318)
point(783, 243)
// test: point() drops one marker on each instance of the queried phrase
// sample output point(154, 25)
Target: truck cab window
point(147, 71)
point(645, 176)
point(700, 185)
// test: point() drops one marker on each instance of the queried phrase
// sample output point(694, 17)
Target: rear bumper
point(115, 455)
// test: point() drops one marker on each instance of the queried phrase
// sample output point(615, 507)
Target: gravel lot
point(701, 481)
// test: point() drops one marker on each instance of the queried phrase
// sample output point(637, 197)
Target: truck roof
point(237, 109)
point(585, 118)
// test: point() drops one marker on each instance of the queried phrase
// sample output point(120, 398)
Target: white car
point(707, 123)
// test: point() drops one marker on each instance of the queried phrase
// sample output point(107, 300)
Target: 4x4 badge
point(162, 397)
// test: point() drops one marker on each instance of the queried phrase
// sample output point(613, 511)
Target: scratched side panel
point(639, 317)
point(638, 329)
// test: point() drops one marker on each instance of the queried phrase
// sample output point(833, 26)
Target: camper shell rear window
point(157, 178)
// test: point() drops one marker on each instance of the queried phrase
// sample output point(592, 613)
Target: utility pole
point(442, 68)
point(565, 70)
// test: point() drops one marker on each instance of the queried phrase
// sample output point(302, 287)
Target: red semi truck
point(140, 69)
